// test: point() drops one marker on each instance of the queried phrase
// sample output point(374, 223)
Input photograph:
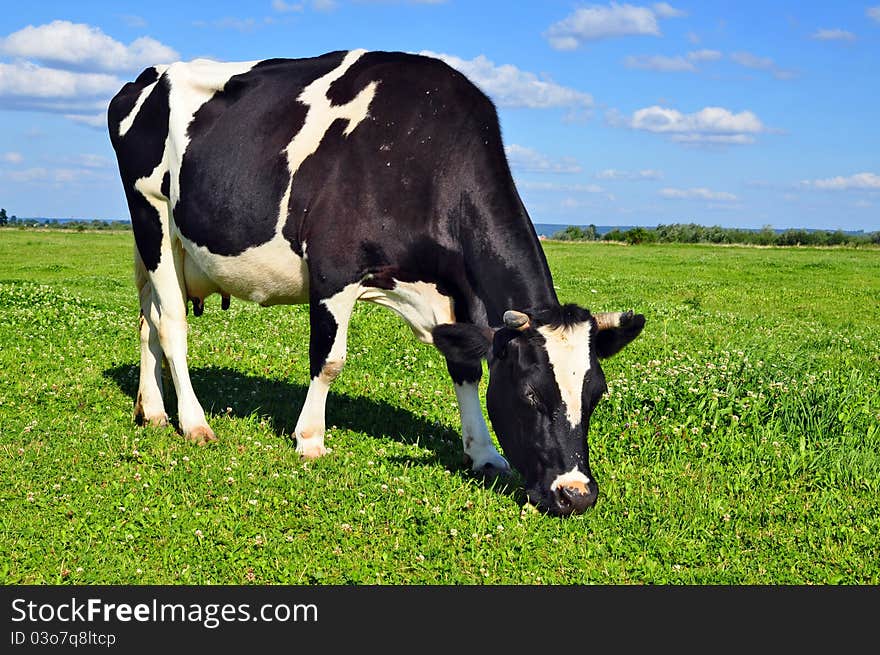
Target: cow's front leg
point(328, 323)
point(478, 447)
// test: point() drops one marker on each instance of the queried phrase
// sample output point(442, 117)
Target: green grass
point(739, 441)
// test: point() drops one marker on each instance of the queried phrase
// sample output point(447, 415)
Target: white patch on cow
point(569, 352)
point(268, 274)
point(420, 304)
point(573, 478)
point(474, 433)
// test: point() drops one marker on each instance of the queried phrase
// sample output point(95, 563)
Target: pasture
point(739, 442)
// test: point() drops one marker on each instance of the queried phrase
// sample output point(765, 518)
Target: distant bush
point(78, 225)
point(576, 233)
point(693, 233)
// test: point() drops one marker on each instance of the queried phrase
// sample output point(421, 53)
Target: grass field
point(739, 442)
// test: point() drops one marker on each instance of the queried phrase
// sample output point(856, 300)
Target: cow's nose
point(576, 499)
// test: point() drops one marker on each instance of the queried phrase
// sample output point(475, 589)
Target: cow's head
point(544, 383)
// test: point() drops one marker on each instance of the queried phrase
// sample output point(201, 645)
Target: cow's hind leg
point(328, 323)
point(149, 407)
point(170, 295)
point(479, 450)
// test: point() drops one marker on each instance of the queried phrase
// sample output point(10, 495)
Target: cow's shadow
point(225, 391)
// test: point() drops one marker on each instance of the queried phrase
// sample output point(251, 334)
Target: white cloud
point(554, 186)
point(296, 7)
point(509, 86)
point(660, 63)
point(613, 174)
point(833, 35)
point(677, 64)
point(63, 175)
point(528, 160)
point(97, 121)
point(859, 181)
point(80, 97)
point(717, 139)
point(83, 47)
point(664, 10)
point(27, 80)
point(12, 157)
point(704, 55)
point(27, 175)
point(749, 60)
point(711, 125)
point(71, 68)
point(606, 21)
point(92, 161)
point(699, 193)
point(287, 7)
point(873, 12)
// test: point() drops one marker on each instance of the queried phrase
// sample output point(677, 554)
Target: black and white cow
point(353, 176)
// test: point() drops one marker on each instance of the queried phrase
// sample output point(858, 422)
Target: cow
point(358, 175)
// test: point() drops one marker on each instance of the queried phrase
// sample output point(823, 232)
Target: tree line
point(693, 233)
point(77, 225)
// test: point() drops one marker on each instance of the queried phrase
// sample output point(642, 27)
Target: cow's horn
point(516, 320)
point(610, 320)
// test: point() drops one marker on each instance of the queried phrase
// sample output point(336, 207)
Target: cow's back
point(347, 154)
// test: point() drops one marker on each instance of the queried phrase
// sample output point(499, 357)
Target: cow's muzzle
point(577, 499)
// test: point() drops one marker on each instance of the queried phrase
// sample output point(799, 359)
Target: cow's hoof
point(156, 421)
point(311, 448)
point(201, 435)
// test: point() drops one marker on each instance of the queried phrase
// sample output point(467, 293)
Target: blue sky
point(736, 114)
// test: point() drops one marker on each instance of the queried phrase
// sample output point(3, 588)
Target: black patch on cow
point(234, 171)
point(147, 77)
point(464, 346)
point(322, 334)
point(462, 343)
point(138, 153)
point(125, 100)
point(373, 256)
point(166, 184)
point(461, 373)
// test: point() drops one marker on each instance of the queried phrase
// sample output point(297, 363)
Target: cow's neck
point(504, 261)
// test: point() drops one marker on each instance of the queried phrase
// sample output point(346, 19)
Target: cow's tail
point(141, 279)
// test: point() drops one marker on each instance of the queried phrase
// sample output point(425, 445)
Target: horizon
point(541, 228)
point(614, 113)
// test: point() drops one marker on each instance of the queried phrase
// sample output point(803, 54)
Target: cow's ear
point(611, 341)
point(462, 343)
